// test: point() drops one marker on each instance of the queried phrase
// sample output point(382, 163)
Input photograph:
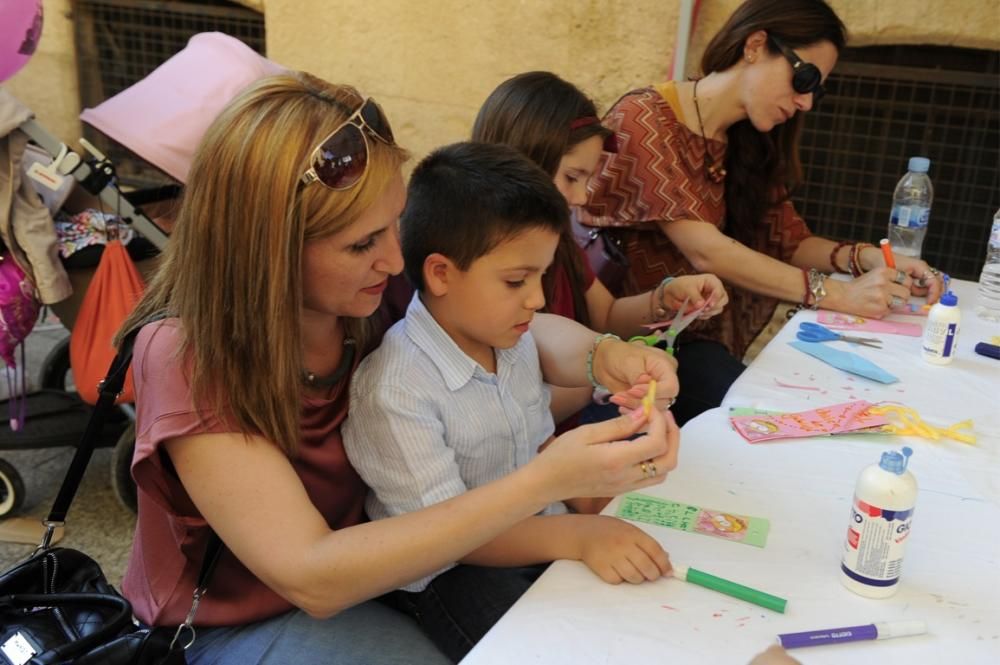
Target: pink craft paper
point(838, 321)
point(836, 419)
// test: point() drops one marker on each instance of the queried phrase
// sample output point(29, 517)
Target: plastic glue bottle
point(880, 526)
point(941, 334)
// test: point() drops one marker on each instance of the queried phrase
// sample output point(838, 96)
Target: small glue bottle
point(880, 526)
point(941, 334)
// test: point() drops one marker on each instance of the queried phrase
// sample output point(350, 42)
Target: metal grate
point(878, 114)
point(119, 42)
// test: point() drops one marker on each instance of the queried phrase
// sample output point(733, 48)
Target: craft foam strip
point(694, 519)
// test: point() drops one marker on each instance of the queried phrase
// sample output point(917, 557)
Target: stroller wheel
point(11, 489)
point(121, 469)
point(56, 368)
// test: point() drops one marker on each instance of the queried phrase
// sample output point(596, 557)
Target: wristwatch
point(817, 287)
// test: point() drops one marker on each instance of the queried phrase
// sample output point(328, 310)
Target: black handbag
point(57, 607)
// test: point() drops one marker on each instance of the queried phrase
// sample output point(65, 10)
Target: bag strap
point(108, 391)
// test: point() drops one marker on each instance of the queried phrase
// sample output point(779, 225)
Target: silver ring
point(895, 301)
point(652, 469)
point(934, 271)
point(900, 277)
point(670, 403)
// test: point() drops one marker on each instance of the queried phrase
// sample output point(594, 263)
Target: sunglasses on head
point(340, 160)
point(806, 77)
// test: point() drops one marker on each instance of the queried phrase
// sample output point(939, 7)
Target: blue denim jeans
point(460, 605)
point(366, 634)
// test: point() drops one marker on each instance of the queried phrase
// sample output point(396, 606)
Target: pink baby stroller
point(161, 119)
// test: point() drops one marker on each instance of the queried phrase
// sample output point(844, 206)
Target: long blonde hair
point(232, 272)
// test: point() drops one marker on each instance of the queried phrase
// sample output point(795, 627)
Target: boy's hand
point(619, 552)
point(622, 367)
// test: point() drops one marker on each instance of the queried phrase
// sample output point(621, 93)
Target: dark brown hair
point(534, 113)
point(762, 168)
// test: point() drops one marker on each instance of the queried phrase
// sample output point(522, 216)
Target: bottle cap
point(919, 164)
point(949, 299)
point(895, 462)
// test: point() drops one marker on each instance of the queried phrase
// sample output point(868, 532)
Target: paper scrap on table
point(845, 360)
point(853, 417)
point(838, 321)
point(685, 517)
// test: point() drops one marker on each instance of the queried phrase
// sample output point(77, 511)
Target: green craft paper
point(706, 521)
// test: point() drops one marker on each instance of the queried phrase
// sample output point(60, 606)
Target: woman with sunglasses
point(285, 239)
point(701, 181)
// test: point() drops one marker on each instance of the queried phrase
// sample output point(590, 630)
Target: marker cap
point(887, 629)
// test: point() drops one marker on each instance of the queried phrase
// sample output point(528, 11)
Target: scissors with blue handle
point(814, 332)
point(669, 335)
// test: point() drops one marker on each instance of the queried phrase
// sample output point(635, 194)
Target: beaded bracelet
point(833, 256)
point(590, 359)
point(855, 261)
point(658, 312)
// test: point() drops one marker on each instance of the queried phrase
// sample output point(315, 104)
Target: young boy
point(453, 398)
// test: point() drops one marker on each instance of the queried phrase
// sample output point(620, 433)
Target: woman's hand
point(697, 290)
point(872, 295)
point(923, 279)
point(617, 551)
point(597, 461)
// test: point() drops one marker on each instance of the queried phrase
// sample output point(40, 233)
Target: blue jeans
point(460, 605)
point(366, 634)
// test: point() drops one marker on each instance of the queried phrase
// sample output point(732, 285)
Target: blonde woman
point(283, 246)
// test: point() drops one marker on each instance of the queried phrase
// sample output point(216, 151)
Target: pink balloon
point(20, 30)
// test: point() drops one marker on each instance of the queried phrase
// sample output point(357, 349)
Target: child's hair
point(466, 198)
point(535, 112)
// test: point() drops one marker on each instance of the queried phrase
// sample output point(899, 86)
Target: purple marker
point(873, 631)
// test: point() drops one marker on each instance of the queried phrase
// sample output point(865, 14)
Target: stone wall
point(432, 62)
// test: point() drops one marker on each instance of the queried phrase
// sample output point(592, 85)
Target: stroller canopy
point(163, 117)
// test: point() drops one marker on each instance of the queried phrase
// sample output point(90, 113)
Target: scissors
point(680, 322)
point(814, 332)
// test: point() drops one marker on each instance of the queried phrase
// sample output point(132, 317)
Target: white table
point(951, 573)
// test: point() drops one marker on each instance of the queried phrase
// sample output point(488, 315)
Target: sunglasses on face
point(340, 160)
point(806, 77)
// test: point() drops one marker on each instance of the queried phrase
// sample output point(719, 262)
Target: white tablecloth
point(951, 573)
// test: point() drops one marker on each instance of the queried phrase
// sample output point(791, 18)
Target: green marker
point(729, 588)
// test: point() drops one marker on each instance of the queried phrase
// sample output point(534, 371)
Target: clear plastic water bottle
point(911, 209)
point(988, 303)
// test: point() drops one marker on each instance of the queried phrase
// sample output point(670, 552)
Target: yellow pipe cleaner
point(911, 424)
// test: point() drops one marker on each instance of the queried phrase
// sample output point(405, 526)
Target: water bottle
point(880, 526)
point(911, 209)
point(988, 303)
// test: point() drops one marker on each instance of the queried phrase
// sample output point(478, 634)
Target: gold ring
point(645, 469)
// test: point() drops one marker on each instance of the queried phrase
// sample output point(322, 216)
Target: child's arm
point(626, 316)
point(615, 550)
point(567, 401)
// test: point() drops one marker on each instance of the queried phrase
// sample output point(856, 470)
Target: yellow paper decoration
point(911, 424)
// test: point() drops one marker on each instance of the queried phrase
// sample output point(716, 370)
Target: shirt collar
point(455, 365)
